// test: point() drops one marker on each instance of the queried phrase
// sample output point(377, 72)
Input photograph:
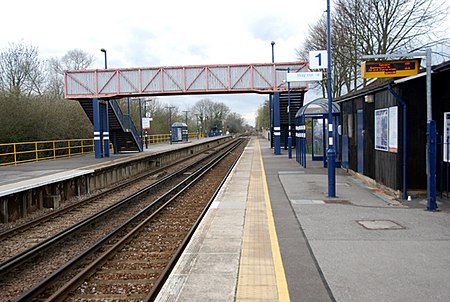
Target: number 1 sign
point(318, 59)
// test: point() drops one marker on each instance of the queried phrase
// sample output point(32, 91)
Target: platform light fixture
point(106, 62)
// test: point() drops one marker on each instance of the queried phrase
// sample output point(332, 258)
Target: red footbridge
point(179, 80)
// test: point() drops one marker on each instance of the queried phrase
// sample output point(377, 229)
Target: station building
point(384, 130)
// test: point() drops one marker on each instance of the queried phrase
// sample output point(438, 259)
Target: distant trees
point(362, 27)
point(211, 114)
point(262, 116)
point(205, 115)
point(32, 106)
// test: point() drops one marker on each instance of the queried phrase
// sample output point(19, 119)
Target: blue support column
point(431, 169)
point(270, 118)
point(114, 139)
point(304, 142)
point(97, 128)
point(276, 123)
point(331, 153)
point(289, 120)
point(105, 128)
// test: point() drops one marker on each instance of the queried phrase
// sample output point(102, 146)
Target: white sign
point(146, 122)
point(304, 76)
point(446, 137)
point(318, 59)
point(393, 129)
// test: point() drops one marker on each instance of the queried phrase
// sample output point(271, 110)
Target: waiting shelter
point(179, 132)
point(311, 127)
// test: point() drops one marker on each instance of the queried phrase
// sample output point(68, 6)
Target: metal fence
point(16, 153)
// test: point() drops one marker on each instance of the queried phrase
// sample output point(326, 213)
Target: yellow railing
point(158, 138)
point(15, 153)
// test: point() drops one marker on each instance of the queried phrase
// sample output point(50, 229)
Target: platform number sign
point(318, 59)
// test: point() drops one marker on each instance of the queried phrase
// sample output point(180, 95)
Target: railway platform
point(272, 234)
point(27, 187)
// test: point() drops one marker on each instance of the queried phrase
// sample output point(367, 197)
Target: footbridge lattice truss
point(158, 81)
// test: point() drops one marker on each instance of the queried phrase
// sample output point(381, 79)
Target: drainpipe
point(402, 101)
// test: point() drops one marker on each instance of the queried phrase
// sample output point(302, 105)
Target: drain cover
point(380, 225)
point(337, 201)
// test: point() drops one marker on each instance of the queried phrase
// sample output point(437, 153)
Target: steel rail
point(163, 201)
point(35, 290)
point(28, 225)
point(165, 274)
point(42, 246)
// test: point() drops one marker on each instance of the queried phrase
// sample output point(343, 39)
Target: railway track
point(80, 245)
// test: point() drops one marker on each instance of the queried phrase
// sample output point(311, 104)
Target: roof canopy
point(316, 107)
point(179, 124)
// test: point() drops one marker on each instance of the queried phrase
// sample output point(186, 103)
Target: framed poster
point(381, 129)
point(393, 129)
point(446, 137)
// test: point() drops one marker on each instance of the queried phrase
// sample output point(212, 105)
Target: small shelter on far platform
point(179, 132)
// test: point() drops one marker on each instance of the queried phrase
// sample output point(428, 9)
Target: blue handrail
point(126, 122)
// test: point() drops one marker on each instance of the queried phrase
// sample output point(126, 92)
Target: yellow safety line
point(283, 292)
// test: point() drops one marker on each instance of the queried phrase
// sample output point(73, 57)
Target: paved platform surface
point(360, 246)
point(23, 176)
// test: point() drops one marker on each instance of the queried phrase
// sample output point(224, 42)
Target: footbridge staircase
point(122, 130)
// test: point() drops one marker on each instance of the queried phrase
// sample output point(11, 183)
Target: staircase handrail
point(126, 120)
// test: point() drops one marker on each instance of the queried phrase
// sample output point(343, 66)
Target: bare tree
point(21, 70)
point(75, 59)
point(376, 27)
point(211, 114)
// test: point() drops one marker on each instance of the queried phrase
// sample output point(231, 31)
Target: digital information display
point(390, 69)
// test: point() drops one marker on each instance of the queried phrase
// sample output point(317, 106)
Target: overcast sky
point(150, 33)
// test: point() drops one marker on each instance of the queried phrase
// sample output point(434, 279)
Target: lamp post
point(196, 123)
point(331, 153)
point(271, 97)
point(106, 62)
point(187, 128)
point(170, 123)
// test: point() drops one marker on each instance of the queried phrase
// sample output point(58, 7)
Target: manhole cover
point(380, 225)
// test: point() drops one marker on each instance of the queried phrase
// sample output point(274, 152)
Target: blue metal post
point(276, 123)
point(270, 117)
point(431, 142)
point(304, 141)
point(140, 124)
point(431, 179)
point(289, 119)
point(271, 99)
point(331, 152)
point(105, 127)
point(129, 114)
point(115, 142)
point(97, 126)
